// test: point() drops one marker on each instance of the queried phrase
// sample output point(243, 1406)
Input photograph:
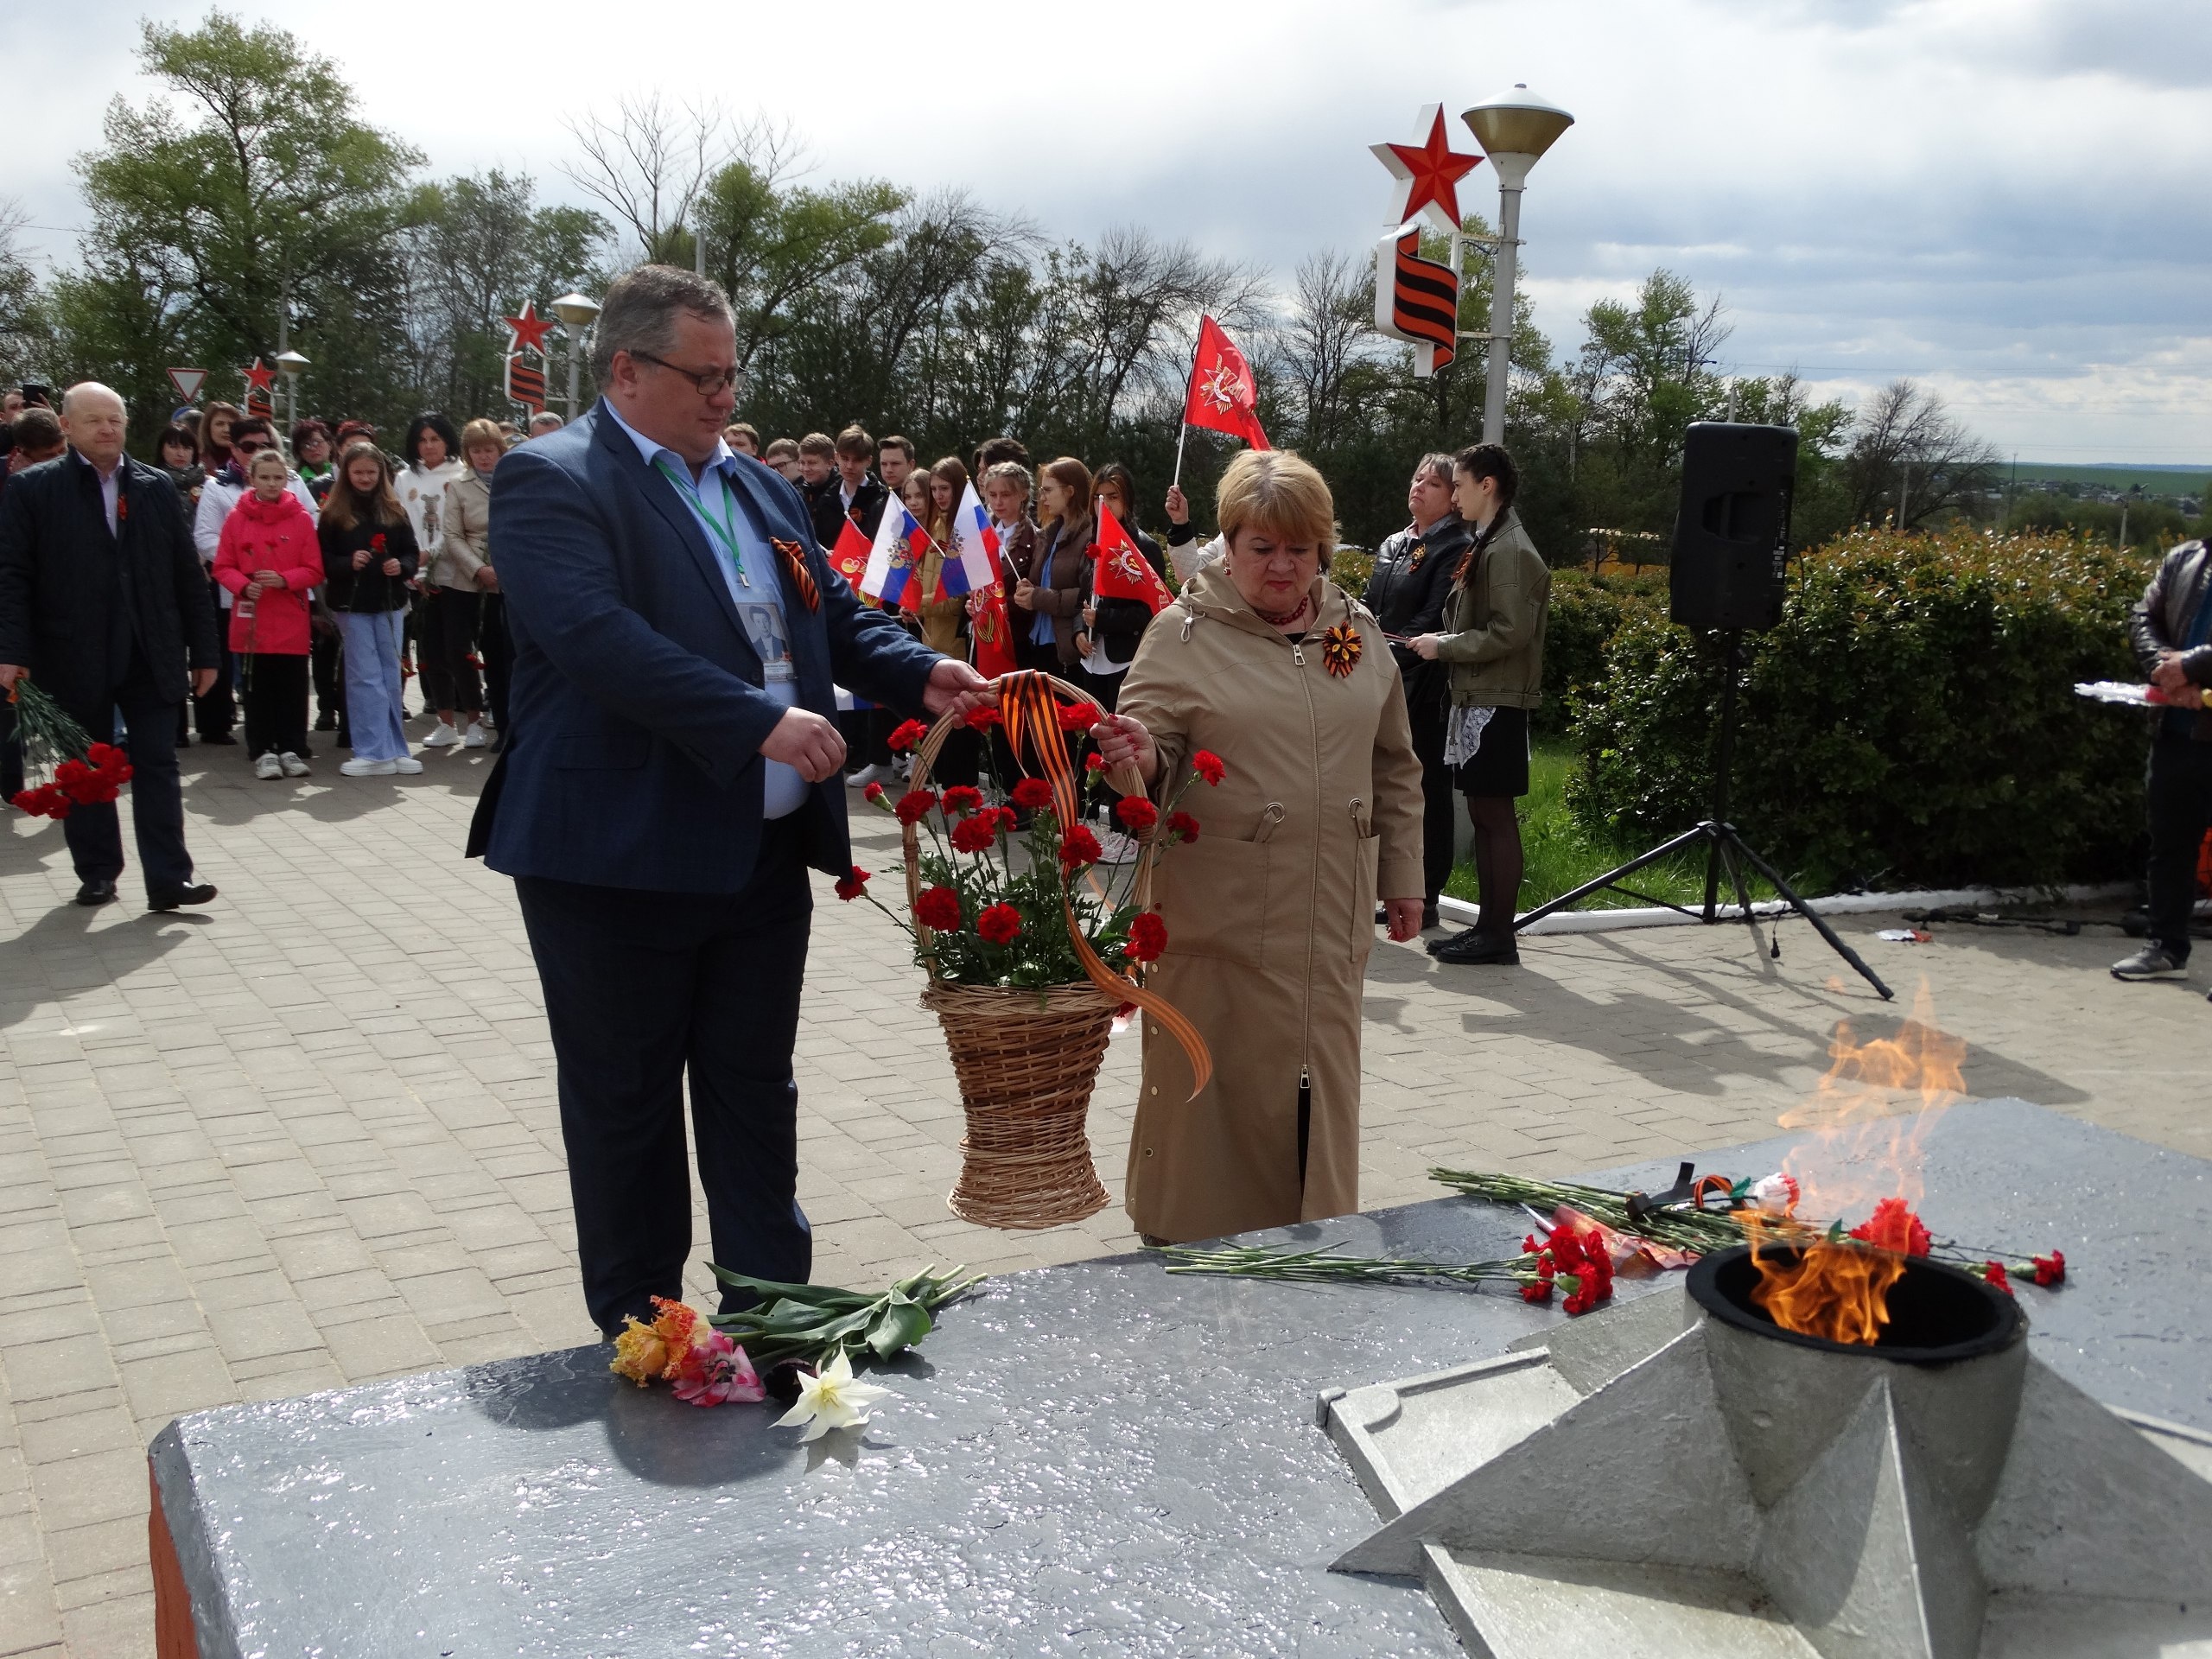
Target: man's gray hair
point(639, 312)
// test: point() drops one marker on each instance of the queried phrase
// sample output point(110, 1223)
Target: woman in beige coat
point(1270, 913)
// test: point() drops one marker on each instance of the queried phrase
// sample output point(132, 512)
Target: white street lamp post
point(1514, 131)
point(290, 364)
point(576, 313)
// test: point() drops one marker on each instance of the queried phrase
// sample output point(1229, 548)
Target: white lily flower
point(831, 1399)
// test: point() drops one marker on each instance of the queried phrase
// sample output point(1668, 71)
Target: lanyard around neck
point(724, 531)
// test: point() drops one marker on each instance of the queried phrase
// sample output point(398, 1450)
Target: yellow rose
point(641, 1353)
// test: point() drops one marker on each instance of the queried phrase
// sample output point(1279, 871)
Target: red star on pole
point(1431, 170)
point(531, 329)
point(259, 378)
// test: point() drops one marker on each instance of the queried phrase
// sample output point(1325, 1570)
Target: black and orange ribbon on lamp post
point(1031, 711)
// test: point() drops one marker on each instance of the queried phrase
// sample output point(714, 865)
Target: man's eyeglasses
point(711, 384)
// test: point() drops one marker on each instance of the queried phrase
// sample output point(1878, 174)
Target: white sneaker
point(475, 737)
point(407, 766)
point(441, 736)
point(268, 766)
point(864, 777)
point(371, 768)
point(1114, 847)
point(294, 766)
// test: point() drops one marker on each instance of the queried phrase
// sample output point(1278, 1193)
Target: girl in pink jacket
point(269, 558)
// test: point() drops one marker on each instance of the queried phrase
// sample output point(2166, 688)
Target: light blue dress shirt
point(751, 570)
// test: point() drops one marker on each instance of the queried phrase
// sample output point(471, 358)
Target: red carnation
point(1994, 1272)
point(1147, 936)
point(938, 909)
point(1208, 766)
point(914, 805)
point(1135, 812)
point(961, 798)
point(981, 719)
point(1032, 794)
point(873, 794)
point(854, 885)
point(1183, 826)
point(44, 802)
point(975, 835)
point(999, 924)
point(1540, 1291)
point(906, 736)
point(376, 543)
point(1080, 716)
point(1094, 763)
point(1894, 1227)
point(2051, 1270)
point(1078, 846)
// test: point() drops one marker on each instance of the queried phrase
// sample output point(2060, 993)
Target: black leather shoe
point(96, 892)
point(1427, 917)
point(227, 739)
point(1460, 938)
point(170, 898)
point(327, 720)
point(1473, 950)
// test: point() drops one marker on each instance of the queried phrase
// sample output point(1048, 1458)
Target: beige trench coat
point(1270, 913)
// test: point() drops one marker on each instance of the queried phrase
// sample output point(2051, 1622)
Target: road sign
point(187, 383)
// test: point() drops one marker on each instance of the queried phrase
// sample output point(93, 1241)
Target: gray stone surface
point(1089, 1459)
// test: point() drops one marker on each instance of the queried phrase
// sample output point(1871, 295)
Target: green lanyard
point(724, 532)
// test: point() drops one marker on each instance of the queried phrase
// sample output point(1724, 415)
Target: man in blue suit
point(677, 633)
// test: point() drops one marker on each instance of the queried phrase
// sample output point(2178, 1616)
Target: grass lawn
point(1562, 855)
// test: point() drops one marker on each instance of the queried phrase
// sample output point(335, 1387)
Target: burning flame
point(1840, 1292)
point(1863, 1149)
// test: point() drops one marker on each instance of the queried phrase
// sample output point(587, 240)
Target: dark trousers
point(643, 990)
point(275, 704)
point(215, 713)
point(2181, 812)
point(1430, 716)
point(497, 647)
point(445, 627)
point(329, 688)
point(95, 833)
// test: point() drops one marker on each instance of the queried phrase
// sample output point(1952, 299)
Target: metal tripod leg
point(1725, 846)
point(1611, 876)
point(1790, 897)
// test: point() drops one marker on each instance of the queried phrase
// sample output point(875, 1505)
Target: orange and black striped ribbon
point(1032, 723)
point(809, 593)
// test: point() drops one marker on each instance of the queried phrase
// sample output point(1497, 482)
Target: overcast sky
point(2003, 199)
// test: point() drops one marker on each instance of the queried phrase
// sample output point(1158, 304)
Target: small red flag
point(994, 634)
point(1124, 570)
point(1222, 391)
point(850, 556)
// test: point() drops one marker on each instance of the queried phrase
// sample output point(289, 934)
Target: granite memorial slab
point(1098, 1459)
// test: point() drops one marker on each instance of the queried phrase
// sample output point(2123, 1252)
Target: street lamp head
point(1514, 129)
point(289, 364)
point(575, 312)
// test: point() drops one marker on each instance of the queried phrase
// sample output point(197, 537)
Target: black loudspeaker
point(1731, 534)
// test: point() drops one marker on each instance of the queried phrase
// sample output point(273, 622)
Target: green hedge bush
point(1586, 611)
point(1911, 723)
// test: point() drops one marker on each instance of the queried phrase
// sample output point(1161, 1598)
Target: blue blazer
point(636, 702)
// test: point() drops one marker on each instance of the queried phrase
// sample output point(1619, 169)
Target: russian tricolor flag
point(900, 542)
point(971, 564)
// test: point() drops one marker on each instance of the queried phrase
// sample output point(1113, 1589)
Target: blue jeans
point(373, 683)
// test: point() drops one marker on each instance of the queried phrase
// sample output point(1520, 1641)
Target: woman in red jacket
point(269, 558)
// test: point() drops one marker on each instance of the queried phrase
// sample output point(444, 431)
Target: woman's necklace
point(1283, 619)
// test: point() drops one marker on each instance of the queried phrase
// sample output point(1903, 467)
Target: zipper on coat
point(1313, 908)
point(1305, 1122)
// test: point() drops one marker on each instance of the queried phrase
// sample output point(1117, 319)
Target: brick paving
point(308, 1136)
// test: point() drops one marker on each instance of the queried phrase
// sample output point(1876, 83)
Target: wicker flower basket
point(1027, 1061)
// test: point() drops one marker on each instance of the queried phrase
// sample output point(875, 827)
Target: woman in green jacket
point(1493, 643)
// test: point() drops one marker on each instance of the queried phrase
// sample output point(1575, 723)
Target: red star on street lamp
point(259, 378)
point(1430, 170)
point(529, 329)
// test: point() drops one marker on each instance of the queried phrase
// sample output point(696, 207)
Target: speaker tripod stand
point(1725, 850)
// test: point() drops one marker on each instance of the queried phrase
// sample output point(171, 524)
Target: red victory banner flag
point(1124, 570)
point(1222, 391)
point(525, 385)
point(850, 556)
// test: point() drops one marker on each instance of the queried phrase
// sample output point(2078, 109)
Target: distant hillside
point(2116, 475)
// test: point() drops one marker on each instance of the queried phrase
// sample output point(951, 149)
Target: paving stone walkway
point(308, 1136)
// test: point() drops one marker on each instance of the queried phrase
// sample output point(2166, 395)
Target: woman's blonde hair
point(1278, 492)
point(482, 431)
point(273, 455)
point(1074, 477)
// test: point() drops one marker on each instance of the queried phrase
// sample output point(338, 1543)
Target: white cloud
point(2000, 197)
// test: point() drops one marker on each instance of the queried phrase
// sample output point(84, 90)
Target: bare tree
point(650, 164)
point(18, 291)
point(1911, 463)
point(1330, 329)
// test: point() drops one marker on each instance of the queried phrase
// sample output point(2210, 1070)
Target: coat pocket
point(601, 751)
point(1213, 896)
